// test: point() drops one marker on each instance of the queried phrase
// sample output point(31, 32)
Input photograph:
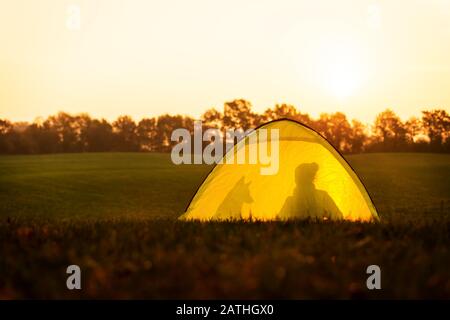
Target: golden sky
point(144, 58)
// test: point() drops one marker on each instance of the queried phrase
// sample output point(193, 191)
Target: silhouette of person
point(307, 201)
point(231, 206)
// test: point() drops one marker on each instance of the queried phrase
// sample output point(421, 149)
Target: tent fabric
point(313, 181)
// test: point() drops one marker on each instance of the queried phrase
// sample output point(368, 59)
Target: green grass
point(110, 185)
point(114, 214)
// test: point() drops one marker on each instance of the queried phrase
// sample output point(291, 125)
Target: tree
point(64, 132)
point(5, 132)
point(390, 131)
point(126, 136)
point(304, 118)
point(82, 122)
point(436, 124)
point(336, 129)
point(280, 111)
point(5, 127)
point(212, 119)
point(413, 127)
point(19, 141)
point(238, 115)
point(146, 131)
point(99, 136)
point(68, 129)
point(414, 134)
point(358, 136)
point(40, 138)
point(164, 128)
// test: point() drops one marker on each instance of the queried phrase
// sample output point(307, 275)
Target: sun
point(340, 69)
point(343, 79)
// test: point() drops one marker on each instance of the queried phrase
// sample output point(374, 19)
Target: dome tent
point(313, 180)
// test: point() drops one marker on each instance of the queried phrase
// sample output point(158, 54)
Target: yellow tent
point(312, 181)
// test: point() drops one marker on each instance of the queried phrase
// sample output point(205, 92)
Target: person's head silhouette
point(305, 173)
point(307, 201)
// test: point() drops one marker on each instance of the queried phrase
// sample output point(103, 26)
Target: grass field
point(115, 214)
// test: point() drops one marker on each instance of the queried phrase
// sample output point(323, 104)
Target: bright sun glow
point(340, 69)
point(343, 80)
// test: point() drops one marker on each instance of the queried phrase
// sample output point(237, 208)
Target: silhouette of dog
point(231, 206)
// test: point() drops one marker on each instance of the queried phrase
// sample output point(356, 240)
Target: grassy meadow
point(114, 215)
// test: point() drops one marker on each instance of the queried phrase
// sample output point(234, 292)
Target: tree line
point(80, 133)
